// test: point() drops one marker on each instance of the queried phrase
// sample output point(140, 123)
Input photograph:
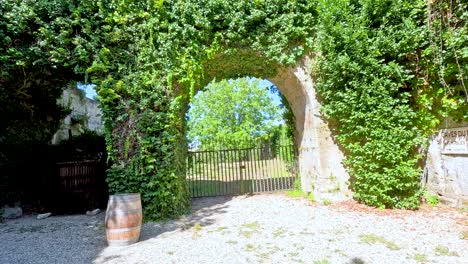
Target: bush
point(431, 199)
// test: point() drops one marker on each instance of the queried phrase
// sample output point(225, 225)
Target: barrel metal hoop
point(123, 212)
point(122, 230)
point(125, 197)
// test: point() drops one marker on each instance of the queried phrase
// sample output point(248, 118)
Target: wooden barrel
point(123, 219)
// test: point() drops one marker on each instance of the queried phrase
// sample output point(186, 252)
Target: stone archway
point(320, 160)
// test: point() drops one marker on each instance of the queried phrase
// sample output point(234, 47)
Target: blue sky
point(91, 93)
point(89, 90)
point(275, 98)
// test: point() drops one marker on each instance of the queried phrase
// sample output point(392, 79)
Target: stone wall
point(86, 115)
point(446, 166)
point(320, 160)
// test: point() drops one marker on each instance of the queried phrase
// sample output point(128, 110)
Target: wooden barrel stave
point(123, 219)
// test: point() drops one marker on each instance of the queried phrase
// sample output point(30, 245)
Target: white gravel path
point(268, 228)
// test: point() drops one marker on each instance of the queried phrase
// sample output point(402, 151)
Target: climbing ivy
point(386, 72)
point(160, 54)
point(445, 60)
point(383, 90)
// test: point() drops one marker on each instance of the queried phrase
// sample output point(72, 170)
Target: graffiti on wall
point(455, 140)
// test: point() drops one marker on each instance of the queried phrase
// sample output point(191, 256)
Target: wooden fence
point(80, 184)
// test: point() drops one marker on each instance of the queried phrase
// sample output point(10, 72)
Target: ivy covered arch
point(386, 73)
point(320, 160)
point(181, 48)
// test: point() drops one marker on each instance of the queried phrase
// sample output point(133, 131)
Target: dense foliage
point(145, 87)
point(28, 92)
point(444, 63)
point(385, 94)
point(387, 74)
point(365, 88)
point(231, 111)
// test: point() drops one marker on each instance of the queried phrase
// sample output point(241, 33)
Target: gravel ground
point(57, 239)
point(267, 228)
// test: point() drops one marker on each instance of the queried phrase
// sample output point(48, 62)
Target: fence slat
point(216, 173)
point(199, 190)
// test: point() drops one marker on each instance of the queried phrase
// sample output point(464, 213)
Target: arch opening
point(239, 139)
point(319, 159)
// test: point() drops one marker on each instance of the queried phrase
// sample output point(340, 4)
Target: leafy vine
point(387, 71)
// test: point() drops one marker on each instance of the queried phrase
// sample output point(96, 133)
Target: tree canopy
point(231, 111)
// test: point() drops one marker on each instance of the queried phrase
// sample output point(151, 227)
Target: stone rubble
point(43, 216)
point(93, 212)
point(12, 212)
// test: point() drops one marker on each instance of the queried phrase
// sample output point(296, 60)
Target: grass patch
point(310, 197)
point(340, 252)
point(196, 230)
point(298, 246)
point(297, 260)
point(445, 251)
point(321, 261)
point(295, 193)
point(250, 247)
point(223, 230)
point(373, 239)
point(264, 255)
point(248, 229)
point(254, 225)
point(464, 235)
point(326, 202)
point(300, 194)
point(431, 199)
point(420, 258)
point(247, 233)
point(267, 254)
point(306, 232)
point(279, 232)
point(231, 242)
point(334, 189)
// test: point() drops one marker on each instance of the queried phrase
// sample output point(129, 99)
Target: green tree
point(44, 46)
point(232, 111)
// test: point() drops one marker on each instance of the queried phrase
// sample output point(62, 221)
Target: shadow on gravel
point(82, 239)
point(56, 239)
point(202, 212)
